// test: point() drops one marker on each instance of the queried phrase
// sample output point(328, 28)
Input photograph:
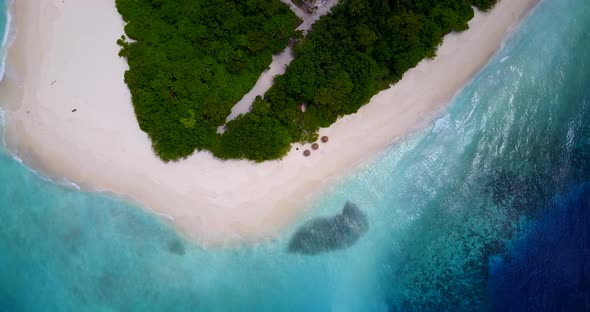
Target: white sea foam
point(62, 181)
point(165, 216)
point(5, 38)
point(3, 50)
point(504, 59)
point(18, 159)
point(441, 123)
point(67, 183)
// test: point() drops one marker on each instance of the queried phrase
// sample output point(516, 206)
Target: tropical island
point(190, 61)
point(69, 113)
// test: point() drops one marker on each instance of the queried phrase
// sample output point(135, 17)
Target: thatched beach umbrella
point(306, 153)
point(324, 139)
point(315, 146)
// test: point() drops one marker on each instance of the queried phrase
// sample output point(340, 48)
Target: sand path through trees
point(279, 61)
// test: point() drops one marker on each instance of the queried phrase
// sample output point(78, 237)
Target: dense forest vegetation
point(359, 49)
point(191, 60)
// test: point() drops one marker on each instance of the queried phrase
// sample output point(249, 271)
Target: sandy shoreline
point(64, 57)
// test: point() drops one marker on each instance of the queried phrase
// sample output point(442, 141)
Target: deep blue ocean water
point(487, 209)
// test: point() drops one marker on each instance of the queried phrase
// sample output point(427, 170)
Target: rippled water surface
point(488, 209)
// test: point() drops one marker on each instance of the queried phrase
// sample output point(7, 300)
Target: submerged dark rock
point(176, 247)
point(328, 234)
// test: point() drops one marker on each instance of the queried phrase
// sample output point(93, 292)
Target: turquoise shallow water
point(452, 212)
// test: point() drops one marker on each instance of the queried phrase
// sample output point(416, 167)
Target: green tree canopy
point(191, 60)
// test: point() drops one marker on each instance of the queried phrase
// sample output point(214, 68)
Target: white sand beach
point(64, 58)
